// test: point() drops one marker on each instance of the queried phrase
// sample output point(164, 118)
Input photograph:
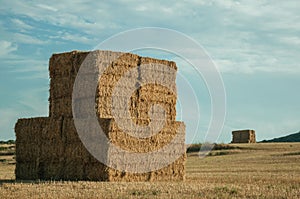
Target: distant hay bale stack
point(243, 136)
point(49, 148)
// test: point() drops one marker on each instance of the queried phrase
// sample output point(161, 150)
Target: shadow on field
point(22, 181)
point(7, 181)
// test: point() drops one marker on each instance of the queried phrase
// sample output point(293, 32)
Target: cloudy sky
point(254, 44)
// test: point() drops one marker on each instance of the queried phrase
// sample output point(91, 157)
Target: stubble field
point(263, 170)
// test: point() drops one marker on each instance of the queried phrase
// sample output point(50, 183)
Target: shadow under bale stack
point(49, 148)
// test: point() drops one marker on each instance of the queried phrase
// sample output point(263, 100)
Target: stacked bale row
point(49, 148)
point(243, 136)
point(63, 69)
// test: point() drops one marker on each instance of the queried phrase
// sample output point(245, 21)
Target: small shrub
point(155, 192)
point(233, 191)
point(136, 193)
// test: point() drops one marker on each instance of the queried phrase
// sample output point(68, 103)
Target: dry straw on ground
point(262, 170)
point(50, 148)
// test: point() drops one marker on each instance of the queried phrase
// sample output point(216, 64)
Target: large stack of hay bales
point(50, 148)
point(243, 136)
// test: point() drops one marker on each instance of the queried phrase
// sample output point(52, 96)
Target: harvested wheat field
point(262, 170)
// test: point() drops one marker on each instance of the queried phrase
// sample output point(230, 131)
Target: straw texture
point(243, 136)
point(50, 148)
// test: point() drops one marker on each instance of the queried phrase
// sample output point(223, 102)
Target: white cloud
point(141, 8)
point(28, 39)
point(47, 7)
point(33, 100)
point(78, 38)
point(294, 40)
point(7, 47)
point(242, 36)
point(66, 14)
point(27, 69)
point(21, 25)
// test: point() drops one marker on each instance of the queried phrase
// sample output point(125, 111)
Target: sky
point(254, 44)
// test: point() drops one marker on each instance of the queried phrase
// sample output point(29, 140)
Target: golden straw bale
point(26, 171)
point(51, 148)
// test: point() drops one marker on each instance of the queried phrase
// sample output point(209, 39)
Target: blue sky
point(255, 45)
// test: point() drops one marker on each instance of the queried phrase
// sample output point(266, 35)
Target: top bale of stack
point(64, 68)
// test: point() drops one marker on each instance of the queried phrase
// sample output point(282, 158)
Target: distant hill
point(289, 138)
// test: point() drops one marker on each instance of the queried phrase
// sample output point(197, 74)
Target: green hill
point(289, 138)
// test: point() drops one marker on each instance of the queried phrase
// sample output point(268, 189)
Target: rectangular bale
point(66, 64)
point(27, 152)
point(173, 172)
point(158, 62)
point(96, 171)
point(51, 148)
point(26, 171)
point(145, 145)
point(29, 130)
point(243, 136)
point(60, 107)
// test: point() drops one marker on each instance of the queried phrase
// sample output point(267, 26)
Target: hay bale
point(76, 152)
point(243, 136)
point(62, 85)
point(50, 148)
point(172, 172)
point(29, 138)
point(60, 107)
point(158, 62)
point(61, 171)
point(27, 152)
point(66, 64)
point(27, 130)
point(52, 152)
point(145, 145)
point(96, 171)
point(26, 171)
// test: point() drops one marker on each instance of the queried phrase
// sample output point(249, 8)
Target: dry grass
point(261, 170)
